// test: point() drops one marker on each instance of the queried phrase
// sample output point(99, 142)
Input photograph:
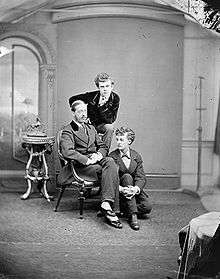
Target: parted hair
point(102, 77)
point(75, 104)
point(125, 130)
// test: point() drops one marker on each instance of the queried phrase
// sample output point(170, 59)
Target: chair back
point(84, 185)
point(63, 162)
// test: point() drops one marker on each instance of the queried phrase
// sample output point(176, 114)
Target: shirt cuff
point(138, 190)
point(120, 188)
point(100, 156)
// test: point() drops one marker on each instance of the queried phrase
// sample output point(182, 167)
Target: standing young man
point(103, 106)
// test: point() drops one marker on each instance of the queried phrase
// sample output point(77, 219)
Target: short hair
point(102, 77)
point(75, 104)
point(125, 130)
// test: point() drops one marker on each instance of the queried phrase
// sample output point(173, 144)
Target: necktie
point(125, 156)
point(102, 100)
point(84, 128)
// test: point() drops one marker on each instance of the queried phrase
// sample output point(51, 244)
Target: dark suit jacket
point(105, 114)
point(135, 169)
point(76, 146)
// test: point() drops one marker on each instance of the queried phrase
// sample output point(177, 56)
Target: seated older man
point(81, 143)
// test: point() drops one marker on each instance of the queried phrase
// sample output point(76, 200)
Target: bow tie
point(125, 156)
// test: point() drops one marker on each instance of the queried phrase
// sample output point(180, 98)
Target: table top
point(38, 140)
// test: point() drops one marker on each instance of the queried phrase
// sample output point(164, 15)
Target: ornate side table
point(37, 144)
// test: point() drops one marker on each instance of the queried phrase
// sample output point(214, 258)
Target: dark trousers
point(107, 172)
point(107, 131)
point(139, 203)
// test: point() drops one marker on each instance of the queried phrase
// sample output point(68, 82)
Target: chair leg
point(81, 203)
point(59, 198)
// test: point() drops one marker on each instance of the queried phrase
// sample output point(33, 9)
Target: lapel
point(133, 163)
point(79, 133)
point(95, 99)
point(121, 164)
point(110, 100)
point(91, 134)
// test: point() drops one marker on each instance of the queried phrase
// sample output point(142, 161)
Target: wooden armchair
point(83, 185)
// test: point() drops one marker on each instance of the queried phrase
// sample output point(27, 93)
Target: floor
point(36, 242)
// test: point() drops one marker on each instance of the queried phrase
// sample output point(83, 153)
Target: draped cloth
point(217, 133)
point(200, 245)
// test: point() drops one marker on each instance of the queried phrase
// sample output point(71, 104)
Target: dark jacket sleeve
point(67, 145)
point(139, 175)
point(108, 112)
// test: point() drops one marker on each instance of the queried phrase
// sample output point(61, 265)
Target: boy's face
point(105, 88)
point(122, 142)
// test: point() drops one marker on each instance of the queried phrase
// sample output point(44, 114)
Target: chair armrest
point(75, 175)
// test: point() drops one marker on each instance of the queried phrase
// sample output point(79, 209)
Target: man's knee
point(109, 162)
point(145, 206)
point(127, 179)
point(146, 209)
point(127, 176)
point(109, 127)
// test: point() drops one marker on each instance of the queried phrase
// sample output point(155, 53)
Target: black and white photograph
point(109, 139)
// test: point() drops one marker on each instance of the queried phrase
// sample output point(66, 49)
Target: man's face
point(122, 142)
point(80, 114)
point(105, 88)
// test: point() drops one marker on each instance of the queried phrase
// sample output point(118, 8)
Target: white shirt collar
point(78, 124)
point(104, 97)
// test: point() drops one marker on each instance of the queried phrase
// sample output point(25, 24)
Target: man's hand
point(130, 191)
point(94, 158)
point(90, 161)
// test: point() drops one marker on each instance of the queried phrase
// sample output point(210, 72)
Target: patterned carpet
point(36, 242)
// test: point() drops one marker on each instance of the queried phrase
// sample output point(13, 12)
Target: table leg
point(45, 193)
point(27, 193)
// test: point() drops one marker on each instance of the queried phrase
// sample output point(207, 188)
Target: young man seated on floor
point(133, 200)
point(80, 143)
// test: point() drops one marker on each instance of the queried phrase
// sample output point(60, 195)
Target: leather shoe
point(108, 212)
point(133, 222)
point(134, 225)
point(100, 214)
point(116, 224)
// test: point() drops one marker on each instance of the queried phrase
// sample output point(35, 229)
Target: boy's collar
point(127, 153)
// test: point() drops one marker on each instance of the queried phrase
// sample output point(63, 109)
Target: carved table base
point(37, 147)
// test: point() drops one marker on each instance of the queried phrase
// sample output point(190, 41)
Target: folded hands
point(129, 191)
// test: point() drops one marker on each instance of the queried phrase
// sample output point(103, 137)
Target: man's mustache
point(86, 119)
